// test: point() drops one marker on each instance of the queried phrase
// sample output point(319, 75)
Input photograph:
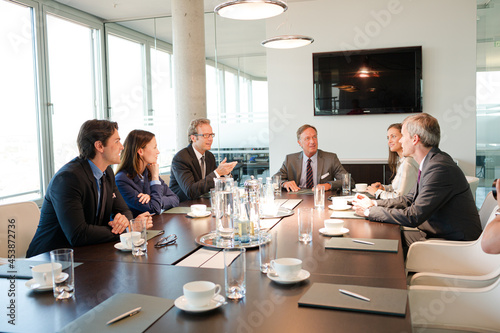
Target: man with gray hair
point(193, 168)
point(440, 204)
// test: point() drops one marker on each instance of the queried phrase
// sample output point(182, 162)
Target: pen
point(125, 315)
point(350, 293)
point(363, 242)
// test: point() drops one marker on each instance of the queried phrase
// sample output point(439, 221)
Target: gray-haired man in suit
point(440, 205)
point(311, 166)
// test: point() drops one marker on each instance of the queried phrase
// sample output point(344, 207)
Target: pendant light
point(250, 9)
point(287, 41)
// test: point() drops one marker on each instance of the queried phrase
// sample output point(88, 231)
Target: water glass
point(224, 217)
point(305, 217)
point(277, 185)
point(346, 184)
point(139, 244)
point(268, 248)
point(63, 273)
point(235, 272)
point(212, 201)
point(319, 197)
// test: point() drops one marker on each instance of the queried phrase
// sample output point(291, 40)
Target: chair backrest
point(166, 179)
point(489, 205)
point(18, 223)
point(473, 182)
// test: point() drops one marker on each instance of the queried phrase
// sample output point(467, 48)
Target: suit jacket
point(161, 195)
point(185, 175)
point(328, 164)
point(441, 204)
point(69, 211)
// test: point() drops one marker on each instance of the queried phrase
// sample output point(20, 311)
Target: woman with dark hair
point(138, 176)
point(404, 169)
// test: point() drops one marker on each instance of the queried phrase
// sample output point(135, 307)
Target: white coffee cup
point(198, 209)
point(339, 203)
point(200, 293)
point(127, 238)
point(361, 187)
point(334, 225)
point(287, 268)
point(42, 274)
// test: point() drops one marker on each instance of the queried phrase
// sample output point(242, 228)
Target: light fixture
point(250, 9)
point(287, 41)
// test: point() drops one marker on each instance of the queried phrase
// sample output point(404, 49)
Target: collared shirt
point(97, 175)
point(198, 157)
point(404, 180)
point(314, 166)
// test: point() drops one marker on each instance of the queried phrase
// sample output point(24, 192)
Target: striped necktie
point(202, 165)
point(309, 175)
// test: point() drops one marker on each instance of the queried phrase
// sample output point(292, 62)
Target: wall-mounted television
point(378, 81)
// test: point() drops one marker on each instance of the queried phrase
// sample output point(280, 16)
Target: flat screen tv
point(379, 81)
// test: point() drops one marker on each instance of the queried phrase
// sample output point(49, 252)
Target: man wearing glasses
point(194, 168)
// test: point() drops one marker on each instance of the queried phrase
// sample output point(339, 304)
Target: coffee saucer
point(121, 247)
point(326, 232)
point(182, 303)
point(346, 207)
point(36, 287)
point(303, 275)
point(190, 214)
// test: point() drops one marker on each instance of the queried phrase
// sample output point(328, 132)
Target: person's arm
point(404, 181)
point(183, 172)
point(490, 243)
point(168, 198)
point(287, 180)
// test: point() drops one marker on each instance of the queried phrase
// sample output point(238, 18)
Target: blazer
point(441, 204)
point(329, 169)
point(69, 211)
point(162, 197)
point(185, 175)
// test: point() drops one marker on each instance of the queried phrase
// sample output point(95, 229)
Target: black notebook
point(379, 245)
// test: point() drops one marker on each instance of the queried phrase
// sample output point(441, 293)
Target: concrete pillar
point(189, 65)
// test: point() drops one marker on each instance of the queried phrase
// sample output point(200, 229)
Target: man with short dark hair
point(441, 204)
point(312, 166)
point(82, 195)
point(193, 168)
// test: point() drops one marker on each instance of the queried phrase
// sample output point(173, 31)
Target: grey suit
point(441, 204)
point(328, 164)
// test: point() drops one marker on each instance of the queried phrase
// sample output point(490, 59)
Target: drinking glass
point(319, 197)
point(235, 272)
point(305, 217)
point(224, 217)
point(268, 246)
point(277, 185)
point(346, 184)
point(63, 282)
point(139, 244)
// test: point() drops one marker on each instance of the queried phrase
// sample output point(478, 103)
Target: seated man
point(82, 195)
point(490, 243)
point(440, 204)
point(312, 166)
point(193, 168)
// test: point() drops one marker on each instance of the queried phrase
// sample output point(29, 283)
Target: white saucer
point(121, 247)
point(325, 232)
point(346, 207)
point(31, 283)
point(303, 275)
point(182, 303)
point(346, 197)
point(190, 214)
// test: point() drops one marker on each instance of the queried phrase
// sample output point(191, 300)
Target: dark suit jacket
point(162, 197)
point(328, 164)
point(68, 216)
point(185, 175)
point(441, 205)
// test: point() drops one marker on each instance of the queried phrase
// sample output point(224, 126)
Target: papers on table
point(380, 245)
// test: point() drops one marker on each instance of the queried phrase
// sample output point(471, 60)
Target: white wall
point(446, 30)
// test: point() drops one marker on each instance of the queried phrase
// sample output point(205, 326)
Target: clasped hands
point(374, 187)
point(120, 222)
point(360, 203)
point(292, 186)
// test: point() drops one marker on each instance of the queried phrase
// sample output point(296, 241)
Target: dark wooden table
point(268, 307)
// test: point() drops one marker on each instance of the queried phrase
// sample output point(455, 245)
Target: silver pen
point(350, 293)
point(363, 242)
point(125, 315)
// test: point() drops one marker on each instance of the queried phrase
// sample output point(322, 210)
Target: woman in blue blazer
point(138, 176)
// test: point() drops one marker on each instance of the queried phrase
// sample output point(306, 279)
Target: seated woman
point(405, 168)
point(138, 176)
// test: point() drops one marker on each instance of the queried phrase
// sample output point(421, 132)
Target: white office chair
point(19, 219)
point(456, 309)
point(473, 182)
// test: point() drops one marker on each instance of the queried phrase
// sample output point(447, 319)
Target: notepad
point(178, 210)
point(387, 301)
point(380, 245)
point(95, 319)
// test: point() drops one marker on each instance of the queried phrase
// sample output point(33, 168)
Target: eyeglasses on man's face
point(206, 135)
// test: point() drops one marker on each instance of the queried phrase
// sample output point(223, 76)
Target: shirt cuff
point(377, 193)
point(367, 212)
point(216, 174)
point(154, 182)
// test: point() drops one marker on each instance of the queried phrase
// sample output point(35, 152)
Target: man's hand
point(291, 186)
point(360, 203)
point(149, 219)
point(119, 224)
point(374, 187)
point(144, 198)
point(225, 168)
point(327, 186)
point(154, 170)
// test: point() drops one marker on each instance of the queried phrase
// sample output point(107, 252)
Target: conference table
point(267, 306)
